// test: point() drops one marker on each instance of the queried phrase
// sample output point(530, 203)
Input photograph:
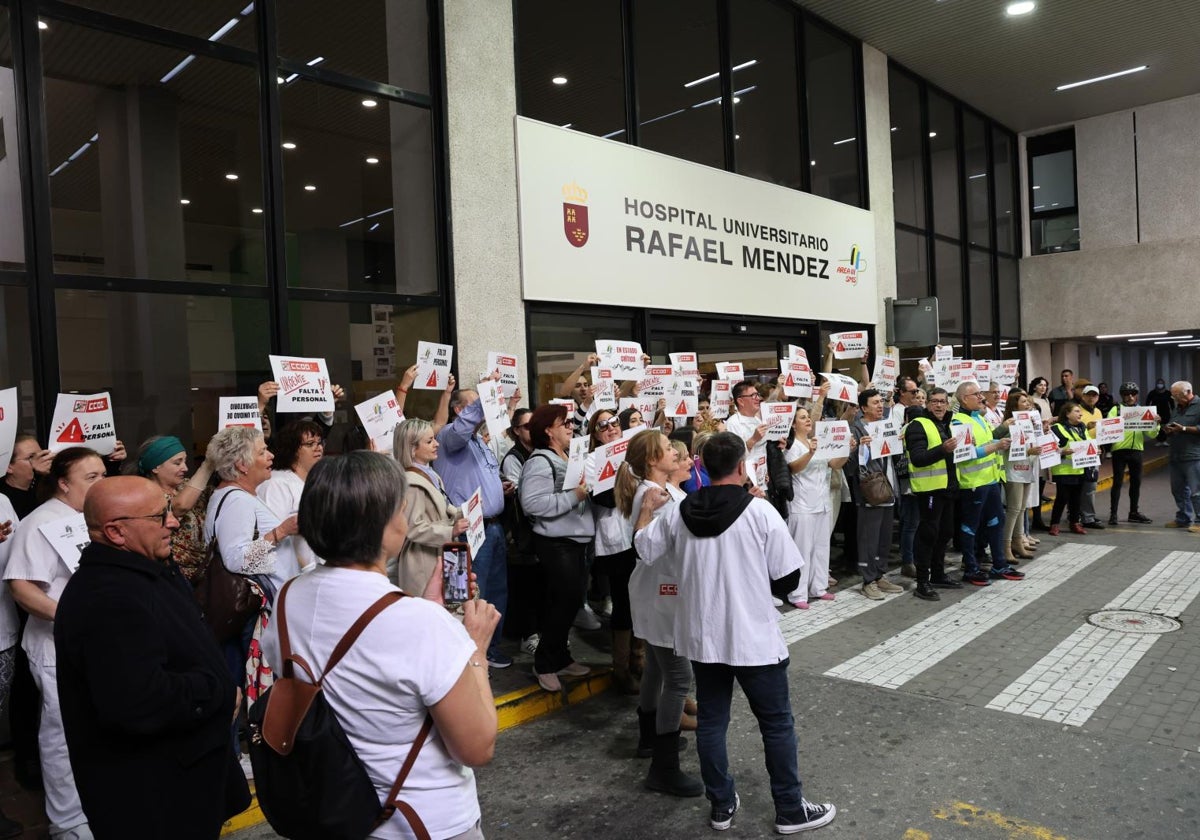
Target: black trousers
point(1068, 496)
point(934, 530)
point(1123, 459)
point(618, 568)
point(564, 583)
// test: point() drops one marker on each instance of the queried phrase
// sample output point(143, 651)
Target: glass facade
point(1053, 211)
point(220, 181)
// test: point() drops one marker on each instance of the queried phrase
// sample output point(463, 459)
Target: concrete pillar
point(879, 172)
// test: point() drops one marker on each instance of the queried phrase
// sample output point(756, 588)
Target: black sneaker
point(1137, 517)
point(976, 579)
point(1095, 523)
point(926, 592)
point(811, 816)
point(1112, 520)
point(945, 583)
point(721, 818)
point(1008, 573)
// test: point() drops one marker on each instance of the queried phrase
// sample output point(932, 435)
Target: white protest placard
point(796, 378)
point(964, 443)
point(645, 406)
point(473, 513)
point(1022, 435)
point(604, 389)
point(720, 398)
point(777, 417)
point(506, 363)
point(756, 469)
point(1048, 452)
point(380, 415)
point(1006, 371)
point(69, 536)
point(682, 397)
point(1085, 453)
point(8, 426)
point(943, 353)
point(623, 358)
point(887, 368)
point(495, 408)
point(83, 420)
point(959, 371)
point(842, 387)
point(303, 384)
point(576, 462)
point(238, 411)
point(795, 351)
point(433, 366)
point(885, 438)
point(654, 380)
point(685, 364)
point(731, 371)
point(608, 460)
point(983, 372)
point(1032, 417)
point(833, 440)
point(1139, 418)
point(849, 345)
point(1110, 430)
point(570, 404)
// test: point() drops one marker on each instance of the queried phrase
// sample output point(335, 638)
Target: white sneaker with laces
point(530, 643)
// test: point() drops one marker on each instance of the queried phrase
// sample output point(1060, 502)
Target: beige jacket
point(431, 521)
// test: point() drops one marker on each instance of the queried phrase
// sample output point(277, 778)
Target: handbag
point(875, 488)
point(227, 600)
point(310, 783)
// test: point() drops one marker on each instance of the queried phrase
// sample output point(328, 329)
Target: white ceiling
point(1008, 67)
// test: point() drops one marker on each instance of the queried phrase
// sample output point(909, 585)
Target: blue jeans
point(910, 519)
point(1185, 487)
point(982, 515)
point(766, 687)
point(491, 575)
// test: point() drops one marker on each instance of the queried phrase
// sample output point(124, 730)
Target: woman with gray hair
point(432, 520)
point(353, 515)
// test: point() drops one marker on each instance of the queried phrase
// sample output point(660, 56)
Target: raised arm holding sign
point(433, 365)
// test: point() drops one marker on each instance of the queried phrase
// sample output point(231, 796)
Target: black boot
point(665, 775)
point(646, 732)
point(926, 592)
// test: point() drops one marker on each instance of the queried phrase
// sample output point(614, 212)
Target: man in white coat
point(725, 548)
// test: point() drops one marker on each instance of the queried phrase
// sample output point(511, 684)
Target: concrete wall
point(879, 173)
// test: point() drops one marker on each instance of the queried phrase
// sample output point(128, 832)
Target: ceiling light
point(1180, 337)
point(176, 70)
point(373, 227)
point(737, 137)
point(220, 33)
point(379, 213)
point(1037, 186)
point(559, 80)
point(1173, 340)
point(231, 176)
point(372, 160)
point(185, 201)
point(979, 175)
point(710, 76)
point(289, 145)
point(293, 77)
point(256, 210)
point(351, 222)
point(310, 187)
point(566, 125)
point(1132, 335)
point(279, 79)
point(315, 61)
point(42, 25)
point(1189, 344)
point(737, 100)
point(812, 163)
point(933, 134)
point(895, 128)
point(369, 103)
point(1022, 8)
point(847, 140)
point(1102, 78)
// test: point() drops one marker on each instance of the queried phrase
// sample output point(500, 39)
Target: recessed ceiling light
point(231, 176)
point(737, 137)
point(1102, 78)
point(1037, 186)
point(256, 210)
point(812, 163)
point(1178, 337)
point(42, 25)
point(279, 79)
point(185, 201)
point(289, 145)
point(559, 80)
point(369, 103)
point(1132, 335)
point(737, 100)
point(1022, 8)
point(310, 187)
point(372, 160)
point(895, 128)
point(933, 134)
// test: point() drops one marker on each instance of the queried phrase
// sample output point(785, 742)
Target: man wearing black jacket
point(147, 702)
point(930, 447)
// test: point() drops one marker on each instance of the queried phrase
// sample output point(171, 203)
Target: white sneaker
point(585, 619)
point(776, 601)
point(247, 768)
point(529, 644)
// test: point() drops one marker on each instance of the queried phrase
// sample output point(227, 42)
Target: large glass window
point(560, 341)
point(949, 278)
point(908, 160)
point(1008, 287)
point(833, 128)
point(12, 233)
point(16, 357)
point(577, 80)
point(230, 22)
point(766, 99)
point(912, 273)
point(981, 294)
point(943, 165)
point(1003, 164)
point(976, 165)
point(1053, 217)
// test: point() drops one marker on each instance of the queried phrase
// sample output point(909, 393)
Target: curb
point(512, 709)
point(1149, 465)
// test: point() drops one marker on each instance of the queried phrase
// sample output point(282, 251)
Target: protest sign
point(608, 460)
point(795, 351)
point(833, 440)
point(476, 529)
point(796, 378)
point(1139, 418)
point(623, 358)
point(983, 372)
point(654, 380)
point(8, 426)
point(576, 462)
point(304, 384)
point(433, 366)
point(1048, 452)
point(1006, 371)
point(1032, 417)
point(720, 398)
point(849, 345)
point(83, 420)
point(604, 389)
point(495, 408)
point(570, 404)
point(645, 406)
point(756, 469)
point(685, 364)
point(842, 387)
point(943, 353)
point(238, 411)
point(1110, 430)
point(887, 367)
point(68, 536)
point(1084, 454)
point(731, 371)
point(380, 415)
point(506, 363)
point(964, 443)
point(885, 438)
point(777, 416)
point(682, 397)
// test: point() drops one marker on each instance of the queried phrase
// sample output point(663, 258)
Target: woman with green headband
point(163, 460)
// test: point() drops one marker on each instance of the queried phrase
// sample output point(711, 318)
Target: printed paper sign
point(238, 411)
point(380, 415)
point(720, 398)
point(1005, 371)
point(654, 381)
point(433, 366)
point(833, 440)
point(796, 378)
point(495, 408)
point(983, 372)
point(506, 363)
point(887, 367)
point(1139, 418)
point(842, 387)
point(943, 354)
point(731, 371)
point(69, 536)
point(777, 416)
point(964, 443)
point(1022, 435)
point(685, 364)
point(608, 460)
point(756, 469)
point(576, 462)
point(1033, 418)
point(885, 438)
point(1085, 453)
point(1110, 430)
point(8, 426)
point(604, 389)
point(476, 530)
point(849, 345)
point(1048, 452)
point(83, 420)
point(570, 404)
point(795, 351)
point(623, 358)
point(958, 371)
point(682, 397)
point(303, 384)
point(645, 406)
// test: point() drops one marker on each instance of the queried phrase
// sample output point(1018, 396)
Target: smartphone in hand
point(456, 574)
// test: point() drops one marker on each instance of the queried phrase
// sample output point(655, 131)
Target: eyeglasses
point(521, 426)
point(570, 423)
point(162, 516)
point(607, 424)
point(970, 394)
point(754, 395)
point(313, 444)
point(938, 401)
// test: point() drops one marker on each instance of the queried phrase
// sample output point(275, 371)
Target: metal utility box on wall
point(912, 322)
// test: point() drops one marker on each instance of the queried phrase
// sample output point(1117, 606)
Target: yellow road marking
point(964, 813)
point(915, 834)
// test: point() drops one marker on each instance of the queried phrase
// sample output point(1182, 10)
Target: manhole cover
point(1133, 621)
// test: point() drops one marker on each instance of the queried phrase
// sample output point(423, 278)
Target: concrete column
point(879, 172)
point(480, 106)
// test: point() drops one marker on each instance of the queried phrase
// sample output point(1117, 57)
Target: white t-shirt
point(33, 558)
point(724, 612)
point(810, 486)
point(652, 588)
point(281, 494)
point(234, 529)
point(9, 625)
point(405, 661)
point(745, 427)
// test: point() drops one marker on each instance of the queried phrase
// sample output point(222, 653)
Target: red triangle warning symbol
point(681, 411)
point(790, 382)
point(607, 472)
point(432, 381)
point(840, 347)
point(73, 433)
point(1149, 415)
point(886, 450)
point(1091, 449)
point(845, 395)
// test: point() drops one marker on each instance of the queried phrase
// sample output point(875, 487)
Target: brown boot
point(1020, 550)
point(623, 679)
point(637, 656)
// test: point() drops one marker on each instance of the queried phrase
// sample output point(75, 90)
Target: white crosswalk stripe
point(915, 650)
point(1070, 682)
point(799, 624)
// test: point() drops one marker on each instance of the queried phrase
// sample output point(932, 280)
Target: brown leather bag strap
point(393, 804)
point(347, 641)
point(285, 647)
